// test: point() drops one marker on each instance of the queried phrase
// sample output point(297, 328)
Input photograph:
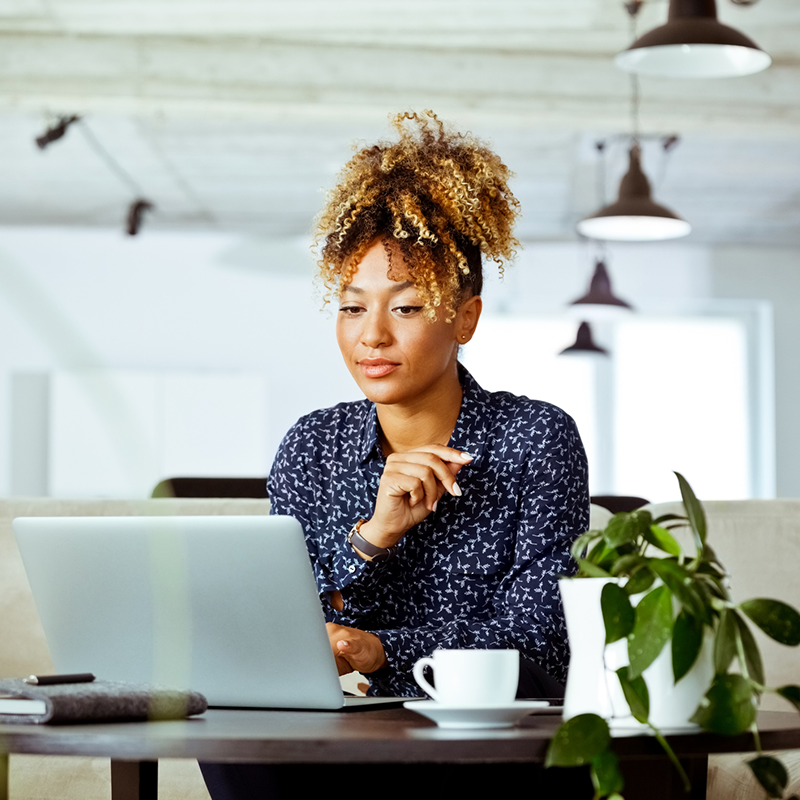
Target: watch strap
point(374, 553)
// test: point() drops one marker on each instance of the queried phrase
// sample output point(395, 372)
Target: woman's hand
point(355, 650)
point(411, 485)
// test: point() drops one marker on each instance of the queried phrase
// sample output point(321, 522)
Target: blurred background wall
point(232, 118)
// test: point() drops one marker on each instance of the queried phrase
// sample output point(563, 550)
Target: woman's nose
point(375, 332)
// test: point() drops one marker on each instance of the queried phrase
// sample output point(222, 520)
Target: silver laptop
point(225, 605)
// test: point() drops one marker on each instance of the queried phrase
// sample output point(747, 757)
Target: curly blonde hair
point(441, 198)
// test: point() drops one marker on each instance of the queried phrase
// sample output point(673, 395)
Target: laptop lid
point(225, 605)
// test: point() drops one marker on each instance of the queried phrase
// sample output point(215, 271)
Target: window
point(686, 392)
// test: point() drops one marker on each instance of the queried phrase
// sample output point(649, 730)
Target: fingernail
point(467, 456)
point(456, 489)
point(435, 506)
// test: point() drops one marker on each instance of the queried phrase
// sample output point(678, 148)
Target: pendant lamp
point(600, 302)
point(583, 343)
point(693, 43)
point(635, 216)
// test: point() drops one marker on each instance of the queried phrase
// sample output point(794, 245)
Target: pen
point(50, 680)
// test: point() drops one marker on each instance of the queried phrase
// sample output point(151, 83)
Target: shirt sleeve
point(295, 488)
point(553, 503)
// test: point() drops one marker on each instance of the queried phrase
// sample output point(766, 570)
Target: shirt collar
point(469, 434)
point(369, 435)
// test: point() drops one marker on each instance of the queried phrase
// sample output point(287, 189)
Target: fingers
point(335, 633)
point(355, 650)
point(411, 486)
point(424, 470)
point(343, 665)
point(448, 454)
point(420, 482)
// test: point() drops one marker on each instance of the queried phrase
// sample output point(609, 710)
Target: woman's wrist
point(372, 532)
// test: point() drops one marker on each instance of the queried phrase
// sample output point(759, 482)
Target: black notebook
point(98, 701)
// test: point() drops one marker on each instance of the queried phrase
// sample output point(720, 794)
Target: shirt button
point(351, 568)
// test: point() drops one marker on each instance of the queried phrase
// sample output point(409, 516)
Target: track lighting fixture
point(56, 131)
point(135, 212)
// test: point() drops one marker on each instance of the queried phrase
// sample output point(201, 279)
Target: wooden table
point(389, 736)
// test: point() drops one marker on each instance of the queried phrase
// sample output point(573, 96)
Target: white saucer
point(505, 716)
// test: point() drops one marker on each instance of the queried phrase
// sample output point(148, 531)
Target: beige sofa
point(758, 541)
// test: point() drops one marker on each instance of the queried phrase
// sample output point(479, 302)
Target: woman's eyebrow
point(394, 290)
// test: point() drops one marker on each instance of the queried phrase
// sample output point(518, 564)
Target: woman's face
point(393, 351)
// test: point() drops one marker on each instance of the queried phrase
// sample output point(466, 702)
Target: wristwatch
point(374, 553)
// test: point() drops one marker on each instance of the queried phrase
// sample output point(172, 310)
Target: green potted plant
point(660, 604)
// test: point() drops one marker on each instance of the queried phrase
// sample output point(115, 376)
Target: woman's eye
point(350, 311)
point(407, 311)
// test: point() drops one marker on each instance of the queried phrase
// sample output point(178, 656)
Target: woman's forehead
point(382, 267)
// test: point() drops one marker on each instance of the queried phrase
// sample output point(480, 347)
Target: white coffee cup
point(467, 678)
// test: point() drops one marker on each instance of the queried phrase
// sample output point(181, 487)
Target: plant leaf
point(669, 518)
point(724, 642)
point(601, 556)
point(687, 639)
point(578, 741)
point(592, 570)
point(778, 620)
point(618, 613)
point(694, 511)
point(711, 581)
point(771, 774)
point(627, 565)
point(790, 693)
point(636, 694)
point(582, 543)
point(752, 655)
point(640, 581)
point(728, 706)
point(606, 775)
point(709, 555)
point(663, 540)
point(651, 630)
point(621, 528)
point(680, 583)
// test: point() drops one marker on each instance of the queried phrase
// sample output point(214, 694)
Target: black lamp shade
point(634, 216)
point(600, 292)
point(693, 44)
point(583, 343)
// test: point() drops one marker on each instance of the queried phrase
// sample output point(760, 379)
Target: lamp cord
point(109, 160)
point(636, 87)
point(636, 101)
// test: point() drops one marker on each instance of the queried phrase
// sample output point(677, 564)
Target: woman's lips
point(377, 367)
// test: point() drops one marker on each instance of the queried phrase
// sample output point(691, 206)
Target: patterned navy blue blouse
point(479, 572)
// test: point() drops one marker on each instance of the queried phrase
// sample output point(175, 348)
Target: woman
point(435, 514)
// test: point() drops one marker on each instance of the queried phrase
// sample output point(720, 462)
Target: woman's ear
point(469, 312)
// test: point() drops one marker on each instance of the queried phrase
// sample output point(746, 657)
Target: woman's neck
point(424, 421)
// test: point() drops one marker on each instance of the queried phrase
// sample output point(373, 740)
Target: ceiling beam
point(256, 77)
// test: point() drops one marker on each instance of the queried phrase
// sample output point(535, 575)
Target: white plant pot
point(592, 683)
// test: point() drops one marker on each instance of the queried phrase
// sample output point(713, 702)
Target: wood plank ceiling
point(234, 114)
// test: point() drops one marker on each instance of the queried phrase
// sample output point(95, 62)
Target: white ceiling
point(235, 114)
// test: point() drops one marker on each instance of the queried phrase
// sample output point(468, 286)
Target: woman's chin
point(383, 395)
